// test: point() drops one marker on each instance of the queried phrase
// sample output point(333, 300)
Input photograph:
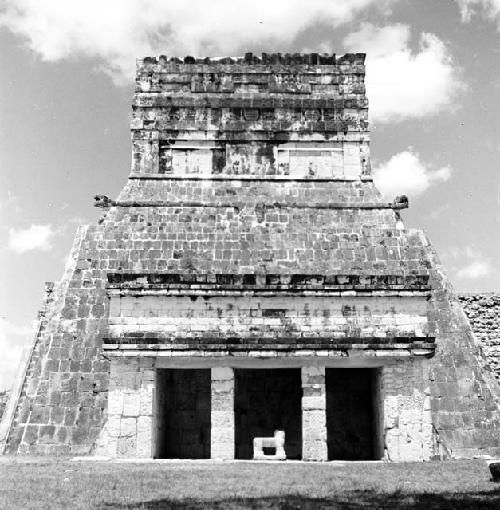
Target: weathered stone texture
point(314, 446)
point(222, 431)
point(464, 393)
point(483, 312)
point(129, 428)
point(405, 395)
point(250, 182)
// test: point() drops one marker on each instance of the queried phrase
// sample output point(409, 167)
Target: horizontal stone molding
point(207, 292)
point(241, 205)
point(243, 126)
point(285, 342)
point(232, 177)
point(338, 284)
point(381, 355)
point(257, 100)
point(270, 346)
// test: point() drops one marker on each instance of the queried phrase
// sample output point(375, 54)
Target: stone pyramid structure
point(250, 278)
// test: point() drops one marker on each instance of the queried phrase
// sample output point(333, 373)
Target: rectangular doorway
point(267, 400)
point(183, 408)
point(353, 414)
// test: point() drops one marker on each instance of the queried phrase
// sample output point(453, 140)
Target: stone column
point(129, 430)
point(222, 430)
point(408, 430)
point(314, 445)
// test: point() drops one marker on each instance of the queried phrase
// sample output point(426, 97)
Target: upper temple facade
point(250, 278)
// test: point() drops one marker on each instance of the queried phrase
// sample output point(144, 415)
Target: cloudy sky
point(66, 82)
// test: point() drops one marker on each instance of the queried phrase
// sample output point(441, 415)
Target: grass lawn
point(27, 483)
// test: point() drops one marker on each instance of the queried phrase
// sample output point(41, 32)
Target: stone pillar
point(222, 430)
point(314, 445)
point(129, 429)
point(408, 431)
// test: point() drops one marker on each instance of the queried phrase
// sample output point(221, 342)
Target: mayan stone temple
point(250, 288)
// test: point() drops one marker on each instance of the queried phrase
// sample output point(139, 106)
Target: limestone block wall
point(166, 223)
point(128, 431)
point(324, 317)
point(219, 117)
point(483, 312)
point(62, 405)
point(407, 424)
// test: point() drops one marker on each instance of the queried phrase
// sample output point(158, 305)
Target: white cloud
point(405, 174)
point(400, 83)
point(475, 269)
point(119, 31)
point(487, 8)
point(12, 341)
point(36, 237)
point(469, 263)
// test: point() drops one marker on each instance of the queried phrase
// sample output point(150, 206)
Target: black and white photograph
point(249, 254)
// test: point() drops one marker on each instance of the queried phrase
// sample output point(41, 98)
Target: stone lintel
point(114, 350)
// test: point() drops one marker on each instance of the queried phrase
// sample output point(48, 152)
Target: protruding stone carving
point(400, 202)
point(103, 201)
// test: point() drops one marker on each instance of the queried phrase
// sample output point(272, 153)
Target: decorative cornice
point(105, 202)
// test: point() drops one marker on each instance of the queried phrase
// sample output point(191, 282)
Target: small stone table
point(277, 442)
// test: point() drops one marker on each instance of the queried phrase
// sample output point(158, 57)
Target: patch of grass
point(28, 483)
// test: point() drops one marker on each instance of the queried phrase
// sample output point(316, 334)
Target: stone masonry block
point(314, 451)
point(314, 402)
point(314, 424)
point(222, 414)
point(144, 436)
point(131, 404)
point(127, 446)
point(128, 427)
point(222, 419)
point(146, 399)
point(222, 374)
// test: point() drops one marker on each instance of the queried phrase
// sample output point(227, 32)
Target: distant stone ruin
point(483, 312)
point(250, 278)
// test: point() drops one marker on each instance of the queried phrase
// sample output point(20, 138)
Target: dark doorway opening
point(267, 400)
point(352, 414)
point(183, 404)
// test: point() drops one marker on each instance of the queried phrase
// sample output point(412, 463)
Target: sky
point(66, 85)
